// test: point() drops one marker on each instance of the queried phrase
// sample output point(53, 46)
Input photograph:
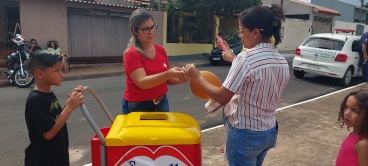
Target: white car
point(329, 54)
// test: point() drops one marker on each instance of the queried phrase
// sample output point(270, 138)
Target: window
point(359, 29)
point(356, 47)
point(324, 43)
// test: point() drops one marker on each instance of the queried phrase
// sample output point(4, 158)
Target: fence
point(5, 27)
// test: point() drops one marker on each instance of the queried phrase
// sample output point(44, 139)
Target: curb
point(4, 83)
point(79, 77)
point(99, 75)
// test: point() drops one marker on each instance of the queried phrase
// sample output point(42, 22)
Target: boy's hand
point(76, 98)
point(80, 88)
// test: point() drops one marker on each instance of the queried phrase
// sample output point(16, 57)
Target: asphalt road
point(14, 137)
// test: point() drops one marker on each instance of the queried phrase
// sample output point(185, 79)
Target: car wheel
point(299, 74)
point(345, 81)
point(214, 63)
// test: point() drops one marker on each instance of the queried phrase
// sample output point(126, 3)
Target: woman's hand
point(176, 72)
point(184, 79)
point(228, 56)
point(191, 72)
point(227, 46)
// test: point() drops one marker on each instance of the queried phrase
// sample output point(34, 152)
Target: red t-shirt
point(133, 60)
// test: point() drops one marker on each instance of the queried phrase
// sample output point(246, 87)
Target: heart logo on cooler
point(162, 156)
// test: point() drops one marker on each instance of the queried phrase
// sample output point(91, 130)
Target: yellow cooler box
point(154, 138)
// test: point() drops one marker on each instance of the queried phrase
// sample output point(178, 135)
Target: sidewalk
point(83, 71)
point(308, 134)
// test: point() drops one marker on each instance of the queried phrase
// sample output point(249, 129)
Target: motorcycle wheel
point(25, 80)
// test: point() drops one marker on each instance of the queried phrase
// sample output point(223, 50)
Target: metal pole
point(152, 4)
point(159, 5)
point(361, 7)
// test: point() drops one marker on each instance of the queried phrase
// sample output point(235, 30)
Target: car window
point(324, 43)
point(356, 47)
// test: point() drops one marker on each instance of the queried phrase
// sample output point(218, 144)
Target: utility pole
point(159, 5)
point(361, 8)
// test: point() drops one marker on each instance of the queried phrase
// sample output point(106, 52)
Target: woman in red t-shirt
point(147, 68)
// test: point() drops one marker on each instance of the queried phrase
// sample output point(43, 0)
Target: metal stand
point(94, 125)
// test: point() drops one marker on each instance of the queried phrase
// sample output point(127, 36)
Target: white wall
point(349, 25)
point(294, 32)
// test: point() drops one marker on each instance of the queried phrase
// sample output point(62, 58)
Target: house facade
point(98, 31)
point(349, 12)
point(87, 31)
point(322, 18)
point(302, 20)
point(352, 17)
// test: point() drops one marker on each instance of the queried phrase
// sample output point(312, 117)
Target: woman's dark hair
point(361, 96)
point(265, 18)
point(56, 46)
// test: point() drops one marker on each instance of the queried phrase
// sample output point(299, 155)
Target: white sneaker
point(212, 106)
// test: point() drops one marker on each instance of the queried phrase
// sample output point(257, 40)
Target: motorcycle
point(18, 72)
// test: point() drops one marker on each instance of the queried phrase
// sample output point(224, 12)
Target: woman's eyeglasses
point(148, 30)
point(242, 30)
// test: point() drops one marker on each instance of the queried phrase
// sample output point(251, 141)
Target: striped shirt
point(257, 77)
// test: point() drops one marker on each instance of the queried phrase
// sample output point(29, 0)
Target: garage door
point(322, 25)
point(97, 34)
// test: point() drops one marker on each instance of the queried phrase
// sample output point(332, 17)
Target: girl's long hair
point(361, 96)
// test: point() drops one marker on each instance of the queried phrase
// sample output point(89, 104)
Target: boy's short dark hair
point(42, 59)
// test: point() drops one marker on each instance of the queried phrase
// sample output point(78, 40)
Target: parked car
point(216, 54)
point(327, 54)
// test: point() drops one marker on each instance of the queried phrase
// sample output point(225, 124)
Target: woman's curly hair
point(361, 96)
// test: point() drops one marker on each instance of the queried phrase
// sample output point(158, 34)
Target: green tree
point(171, 11)
point(205, 10)
point(366, 5)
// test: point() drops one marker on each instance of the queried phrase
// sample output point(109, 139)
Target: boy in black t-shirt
point(45, 119)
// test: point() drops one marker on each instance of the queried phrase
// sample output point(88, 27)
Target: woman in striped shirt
point(252, 88)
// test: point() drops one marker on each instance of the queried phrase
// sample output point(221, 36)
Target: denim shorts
point(249, 148)
point(145, 106)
